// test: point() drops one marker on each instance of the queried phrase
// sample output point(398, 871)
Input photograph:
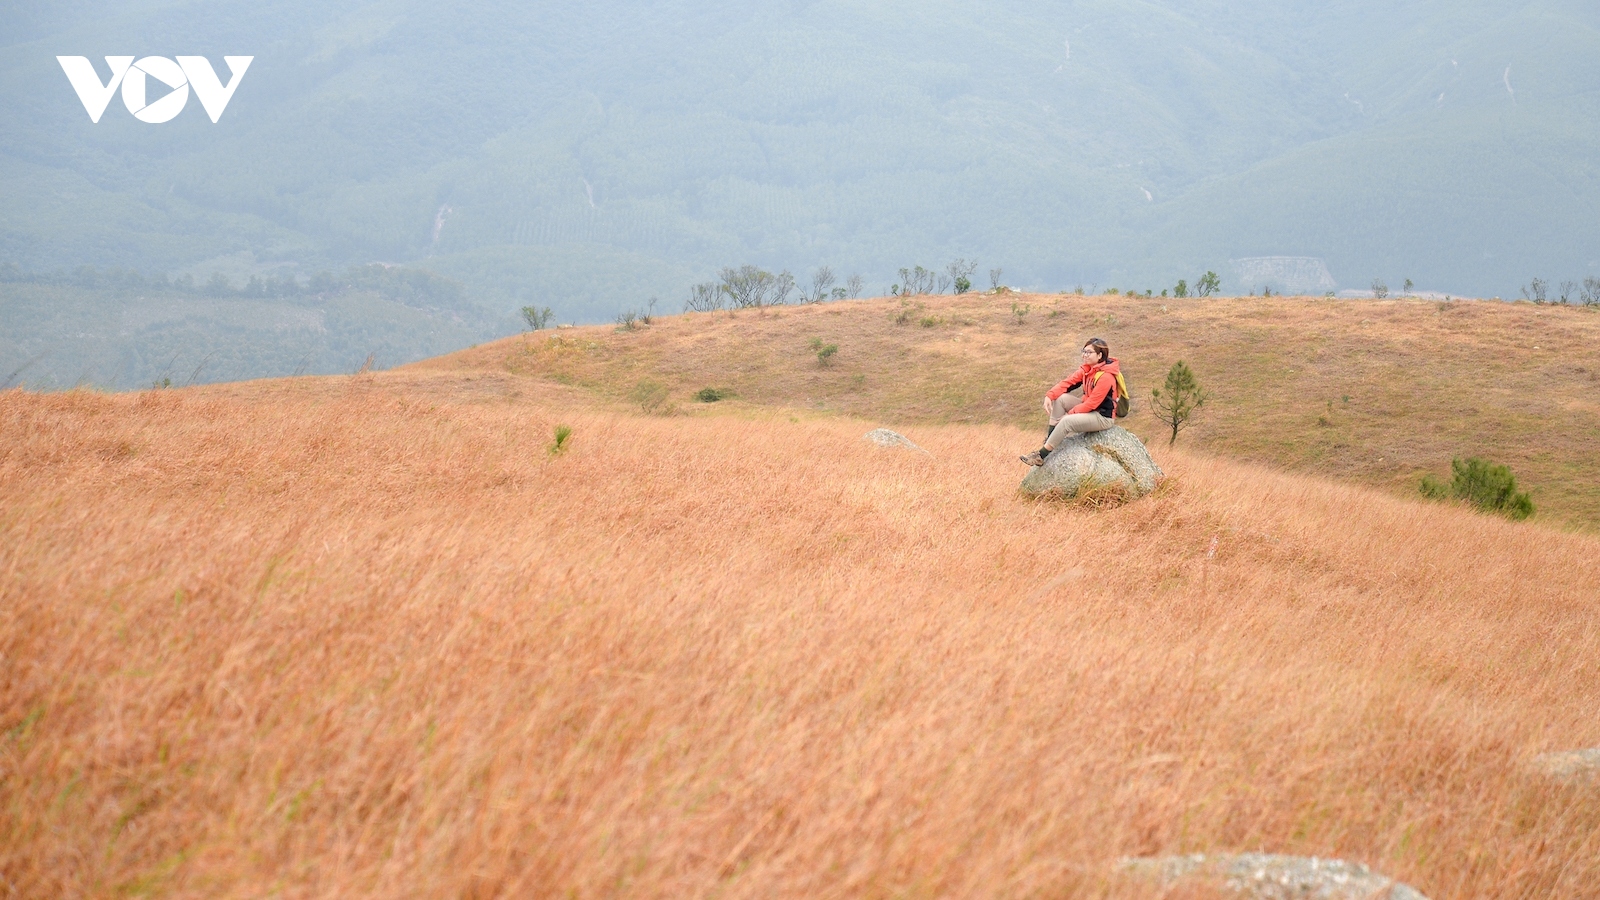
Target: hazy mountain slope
point(1408, 181)
point(112, 329)
point(1479, 161)
point(590, 155)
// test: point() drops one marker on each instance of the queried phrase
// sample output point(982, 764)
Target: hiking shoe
point(1033, 459)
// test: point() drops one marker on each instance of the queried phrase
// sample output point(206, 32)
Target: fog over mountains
point(587, 156)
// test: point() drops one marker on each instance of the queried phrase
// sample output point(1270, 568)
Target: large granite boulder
point(1113, 461)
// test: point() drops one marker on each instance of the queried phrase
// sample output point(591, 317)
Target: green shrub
point(711, 394)
point(916, 281)
point(906, 313)
point(649, 395)
point(1489, 487)
point(959, 274)
point(559, 445)
point(824, 352)
point(536, 317)
point(748, 286)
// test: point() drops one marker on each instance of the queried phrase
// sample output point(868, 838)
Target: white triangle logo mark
point(168, 73)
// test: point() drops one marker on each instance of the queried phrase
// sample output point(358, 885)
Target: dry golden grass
point(365, 637)
point(1516, 383)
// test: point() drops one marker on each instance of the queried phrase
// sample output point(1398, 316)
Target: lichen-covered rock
point(1265, 876)
point(1572, 766)
point(883, 437)
point(1110, 461)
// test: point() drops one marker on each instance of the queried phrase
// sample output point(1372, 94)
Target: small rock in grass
point(1573, 766)
point(883, 437)
point(1266, 876)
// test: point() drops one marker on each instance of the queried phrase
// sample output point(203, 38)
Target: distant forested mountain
point(587, 156)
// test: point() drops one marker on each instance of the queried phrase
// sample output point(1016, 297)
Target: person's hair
point(1100, 347)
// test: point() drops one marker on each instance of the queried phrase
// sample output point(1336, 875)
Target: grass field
point(1379, 392)
point(365, 636)
point(368, 636)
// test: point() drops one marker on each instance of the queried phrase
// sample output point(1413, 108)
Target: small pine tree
point(1208, 284)
point(559, 445)
point(1176, 401)
point(1489, 487)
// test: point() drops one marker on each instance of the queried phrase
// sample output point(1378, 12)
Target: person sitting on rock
point(1082, 402)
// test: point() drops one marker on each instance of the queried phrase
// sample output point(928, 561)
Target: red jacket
point(1099, 382)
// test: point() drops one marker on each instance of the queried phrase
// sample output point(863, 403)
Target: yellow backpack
point(1120, 407)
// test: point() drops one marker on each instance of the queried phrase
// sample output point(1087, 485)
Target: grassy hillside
point(1376, 392)
point(365, 636)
